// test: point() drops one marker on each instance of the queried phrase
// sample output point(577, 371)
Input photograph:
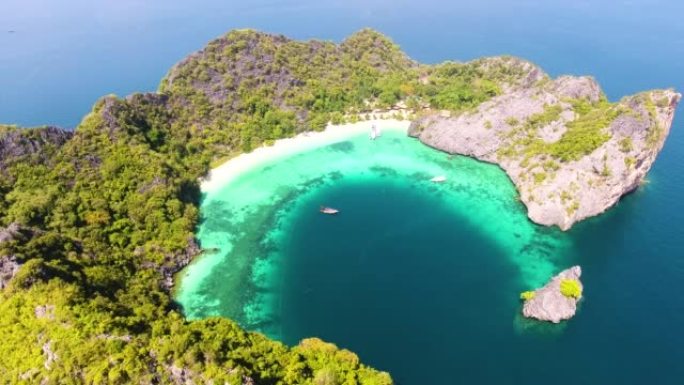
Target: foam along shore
point(283, 148)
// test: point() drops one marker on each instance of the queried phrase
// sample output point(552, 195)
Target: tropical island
point(94, 222)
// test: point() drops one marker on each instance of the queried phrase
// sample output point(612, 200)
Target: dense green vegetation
point(456, 86)
point(115, 207)
point(587, 132)
point(248, 88)
point(583, 135)
point(527, 295)
point(570, 288)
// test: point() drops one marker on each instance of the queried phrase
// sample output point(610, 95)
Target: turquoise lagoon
point(422, 279)
point(407, 265)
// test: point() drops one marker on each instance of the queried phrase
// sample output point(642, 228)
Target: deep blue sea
point(435, 303)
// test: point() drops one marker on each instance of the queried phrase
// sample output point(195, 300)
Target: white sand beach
point(231, 169)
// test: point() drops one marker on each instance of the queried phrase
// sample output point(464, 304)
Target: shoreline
point(252, 244)
point(234, 167)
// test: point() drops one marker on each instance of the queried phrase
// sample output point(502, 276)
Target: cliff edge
point(570, 152)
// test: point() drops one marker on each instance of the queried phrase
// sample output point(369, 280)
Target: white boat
point(438, 179)
point(328, 210)
point(374, 132)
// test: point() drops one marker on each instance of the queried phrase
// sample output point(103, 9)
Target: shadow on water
point(344, 147)
point(190, 192)
point(531, 327)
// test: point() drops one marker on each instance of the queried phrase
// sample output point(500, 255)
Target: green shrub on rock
point(570, 288)
point(527, 295)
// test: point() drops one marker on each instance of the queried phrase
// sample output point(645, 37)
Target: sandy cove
point(282, 148)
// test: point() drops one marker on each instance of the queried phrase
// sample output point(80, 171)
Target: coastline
point(248, 233)
point(228, 175)
point(234, 167)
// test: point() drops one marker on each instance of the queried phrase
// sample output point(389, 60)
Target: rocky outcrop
point(243, 67)
point(185, 376)
point(50, 355)
point(535, 132)
point(9, 264)
point(260, 61)
point(24, 247)
point(549, 303)
point(10, 233)
point(9, 267)
point(181, 375)
point(177, 262)
point(21, 144)
point(173, 263)
point(45, 312)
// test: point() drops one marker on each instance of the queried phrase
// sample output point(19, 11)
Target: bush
point(539, 177)
point(586, 133)
point(626, 144)
point(550, 114)
point(630, 161)
point(527, 295)
point(512, 121)
point(570, 288)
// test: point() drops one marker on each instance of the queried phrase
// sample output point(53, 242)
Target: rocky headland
point(17, 144)
point(570, 153)
point(9, 264)
point(554, 302)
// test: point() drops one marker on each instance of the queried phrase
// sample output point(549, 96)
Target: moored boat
point(438, 179)
point(328, 210)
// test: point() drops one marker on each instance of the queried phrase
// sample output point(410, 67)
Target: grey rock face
point(185, 376)
point(181, 375)
point(549, 304)
point(45, 312)
point(17, 144)
point(10, 233)
point(178, 262)
point(9, 265)
point(555, 191)
point(173, 263)
point(50, 355)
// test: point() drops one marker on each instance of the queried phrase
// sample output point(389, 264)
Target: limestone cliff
point(570, 153)
point(33, 145)
point(9, 264)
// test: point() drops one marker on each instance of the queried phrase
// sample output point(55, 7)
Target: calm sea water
point(64, 55)
point(433, 299)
